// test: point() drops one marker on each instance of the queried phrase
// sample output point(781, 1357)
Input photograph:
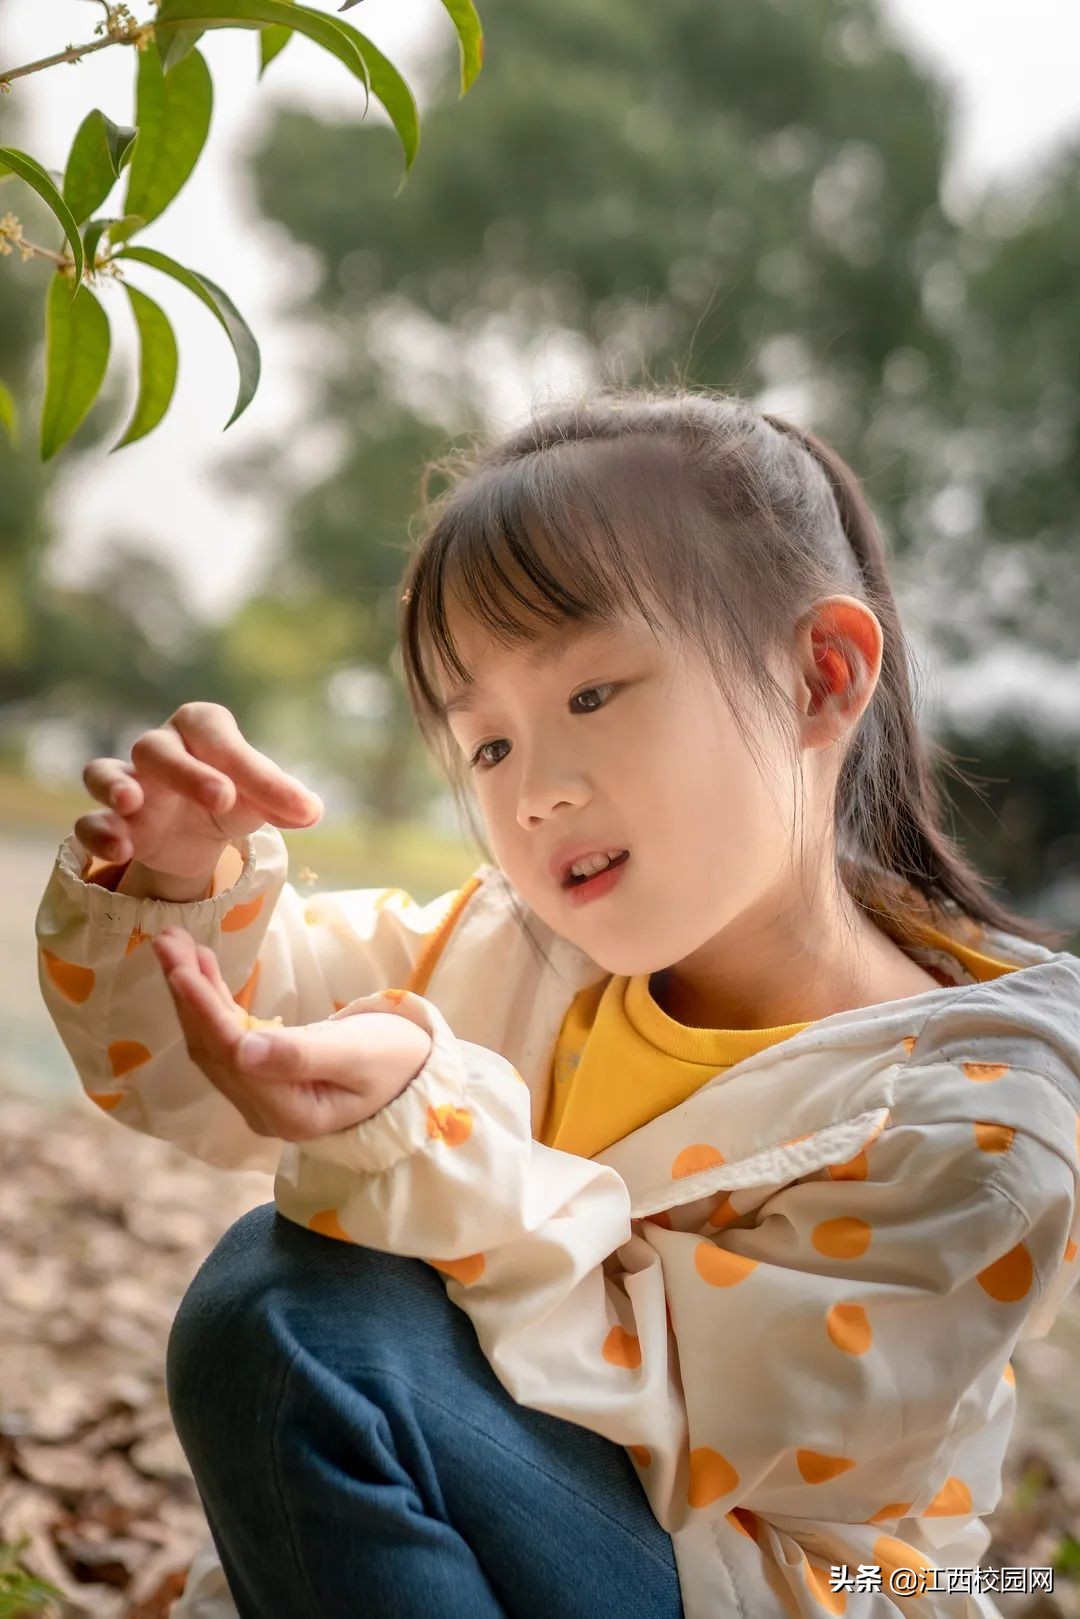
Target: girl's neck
point(873, 969)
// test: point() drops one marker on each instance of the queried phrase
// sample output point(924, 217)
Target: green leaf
point(222, 307)
point(325, 31)
point(98, 153)
point(470, 39)
point(119, 230)
point(173, 114)
point(271, 41)
point(385, 80)
point(180, 45)
point(395, 95)
point(29, 169)
point(76, 354)
point(157, 366)
point(9, 414)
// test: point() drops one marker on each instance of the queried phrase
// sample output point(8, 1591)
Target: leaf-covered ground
point(101, 1231)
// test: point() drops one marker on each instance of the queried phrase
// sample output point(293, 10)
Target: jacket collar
point(773, 1117)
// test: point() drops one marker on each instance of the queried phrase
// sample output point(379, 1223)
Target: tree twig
point(127, 34)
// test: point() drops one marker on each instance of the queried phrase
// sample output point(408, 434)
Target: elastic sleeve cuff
point(264, 856)
point(424, 1110)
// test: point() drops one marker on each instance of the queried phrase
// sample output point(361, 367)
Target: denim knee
point(207, 1333)
point(269, 1284)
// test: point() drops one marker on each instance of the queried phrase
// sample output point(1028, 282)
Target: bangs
point(544, 542)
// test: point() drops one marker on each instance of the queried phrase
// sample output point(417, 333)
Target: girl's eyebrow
point(542, 656)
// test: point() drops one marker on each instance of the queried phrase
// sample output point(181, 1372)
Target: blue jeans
point(356, 1455)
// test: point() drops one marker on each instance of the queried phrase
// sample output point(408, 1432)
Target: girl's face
point(613, 739)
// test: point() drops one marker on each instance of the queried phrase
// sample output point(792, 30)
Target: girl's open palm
point(192, 786)
point(317, 1078)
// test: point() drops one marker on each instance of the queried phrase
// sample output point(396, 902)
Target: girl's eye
point(478, 760)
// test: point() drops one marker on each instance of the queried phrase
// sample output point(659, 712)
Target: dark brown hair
point(714, 523)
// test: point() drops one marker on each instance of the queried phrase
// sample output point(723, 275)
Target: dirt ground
point(101, 1231)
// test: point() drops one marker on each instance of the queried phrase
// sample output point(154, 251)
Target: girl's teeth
point(591, 865)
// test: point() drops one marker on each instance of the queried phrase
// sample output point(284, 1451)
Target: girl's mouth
point(579, 890)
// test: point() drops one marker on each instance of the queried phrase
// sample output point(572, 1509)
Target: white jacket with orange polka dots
point(793, 1297)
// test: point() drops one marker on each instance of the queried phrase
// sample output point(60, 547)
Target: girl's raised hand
point(192, 786)
point(318, 1078)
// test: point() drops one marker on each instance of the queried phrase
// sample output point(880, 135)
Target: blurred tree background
point(743, 197)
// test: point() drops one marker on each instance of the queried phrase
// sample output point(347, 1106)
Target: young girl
point(794, 1164)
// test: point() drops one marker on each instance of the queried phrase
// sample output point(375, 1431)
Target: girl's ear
point(844, 644)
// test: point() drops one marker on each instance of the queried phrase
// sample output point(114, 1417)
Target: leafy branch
point(173, 107)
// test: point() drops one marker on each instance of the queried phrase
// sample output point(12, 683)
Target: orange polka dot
point(818, 1469)
point(849, 1328)
point(453, 1124)
point(951, 1501)
point(340, 1005)
point(724, 1212)
point(74, 983)
point(720, 1267)
point(985, 1070)
point(124, 1055)
point(696, 1158)
point(818, 1581)
point(909, 1042)
point(467, 1270)
point(106, 1100)
point(312, 915)
point(622, 1348)
point(242, 916)
point(394, 996)
point(1008, 1374)
point(246, 993)
point(135, 939)
point(853, 1170)
point(993, 1137)
point(744, 1520)
point(327, 1224)
point(641, 1454)
point(711, 1476)
point(890, 1554)
point(891, 1513)
point(1008, 1278)
point(846, 1237)
point(1070, 1250)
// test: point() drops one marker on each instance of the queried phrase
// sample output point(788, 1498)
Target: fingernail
point(255, 1049)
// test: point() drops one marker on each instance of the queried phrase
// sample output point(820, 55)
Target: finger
point(327, 1051)
point(215, 1032)
point(113, 782)
point(210, 732)
point(160, 756)
point(174, 947)
point(104, 833)
point(211, 971)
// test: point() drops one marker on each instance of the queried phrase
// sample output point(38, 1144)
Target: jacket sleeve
point(535, 1243)
point(811, 1364)
point(281, 955)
